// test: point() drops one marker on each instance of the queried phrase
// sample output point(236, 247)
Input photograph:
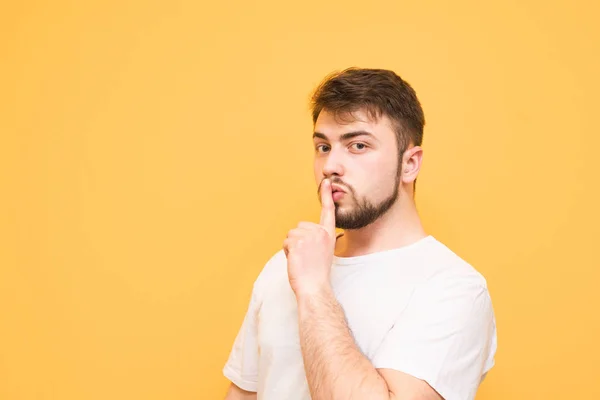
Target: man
point(384, 310)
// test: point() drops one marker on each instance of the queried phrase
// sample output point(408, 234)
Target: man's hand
point(309, 248)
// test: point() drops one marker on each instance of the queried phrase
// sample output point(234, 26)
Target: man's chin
point(342, 213)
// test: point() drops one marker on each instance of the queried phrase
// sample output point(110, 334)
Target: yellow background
point(154, 154)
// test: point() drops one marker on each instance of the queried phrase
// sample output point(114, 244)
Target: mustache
point(338, 182)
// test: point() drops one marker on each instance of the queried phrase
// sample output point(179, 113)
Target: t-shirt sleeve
point(446, 337)
point(242, 366)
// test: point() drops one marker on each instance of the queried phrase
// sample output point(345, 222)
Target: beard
point(364, 212)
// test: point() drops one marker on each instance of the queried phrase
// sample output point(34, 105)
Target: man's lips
point(337, 195)
point(337, 188)
point(337, 192)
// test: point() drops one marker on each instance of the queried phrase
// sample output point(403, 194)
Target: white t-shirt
point(419, 309)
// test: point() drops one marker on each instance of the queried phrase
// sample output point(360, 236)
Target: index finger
point(327, 207)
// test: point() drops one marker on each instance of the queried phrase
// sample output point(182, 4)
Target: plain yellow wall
point(153, 156)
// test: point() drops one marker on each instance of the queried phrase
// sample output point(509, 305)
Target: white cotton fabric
point(419, 309)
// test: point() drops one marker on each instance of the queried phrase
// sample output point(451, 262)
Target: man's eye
point(358, 146)
point(322, 148)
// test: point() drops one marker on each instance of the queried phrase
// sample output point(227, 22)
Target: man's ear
point(411, 163)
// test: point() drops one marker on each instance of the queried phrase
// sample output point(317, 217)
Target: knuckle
point(305, 225)
point(323, 232)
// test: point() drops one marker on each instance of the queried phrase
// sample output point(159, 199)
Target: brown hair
point(378, 92)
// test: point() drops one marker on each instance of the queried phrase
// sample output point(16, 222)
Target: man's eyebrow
point(345, 136)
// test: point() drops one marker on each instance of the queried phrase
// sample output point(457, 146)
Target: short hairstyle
point(378, 92)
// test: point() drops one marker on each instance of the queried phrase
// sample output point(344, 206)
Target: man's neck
point(398, 227)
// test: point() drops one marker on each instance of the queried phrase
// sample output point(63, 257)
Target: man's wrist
point(314, 293)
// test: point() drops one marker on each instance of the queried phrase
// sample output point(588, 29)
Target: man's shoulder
point(274, 269)
point(446, 267)
point(452, 288)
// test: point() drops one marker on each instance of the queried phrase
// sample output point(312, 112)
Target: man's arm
point(235, 393)
point(335, 367)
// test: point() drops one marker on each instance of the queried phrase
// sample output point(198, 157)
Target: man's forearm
point(335, 367)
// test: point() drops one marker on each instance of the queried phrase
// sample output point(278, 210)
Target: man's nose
point(333, 164)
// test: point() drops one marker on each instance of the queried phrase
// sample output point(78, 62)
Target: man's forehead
point(340, 122)
point(348, 116)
